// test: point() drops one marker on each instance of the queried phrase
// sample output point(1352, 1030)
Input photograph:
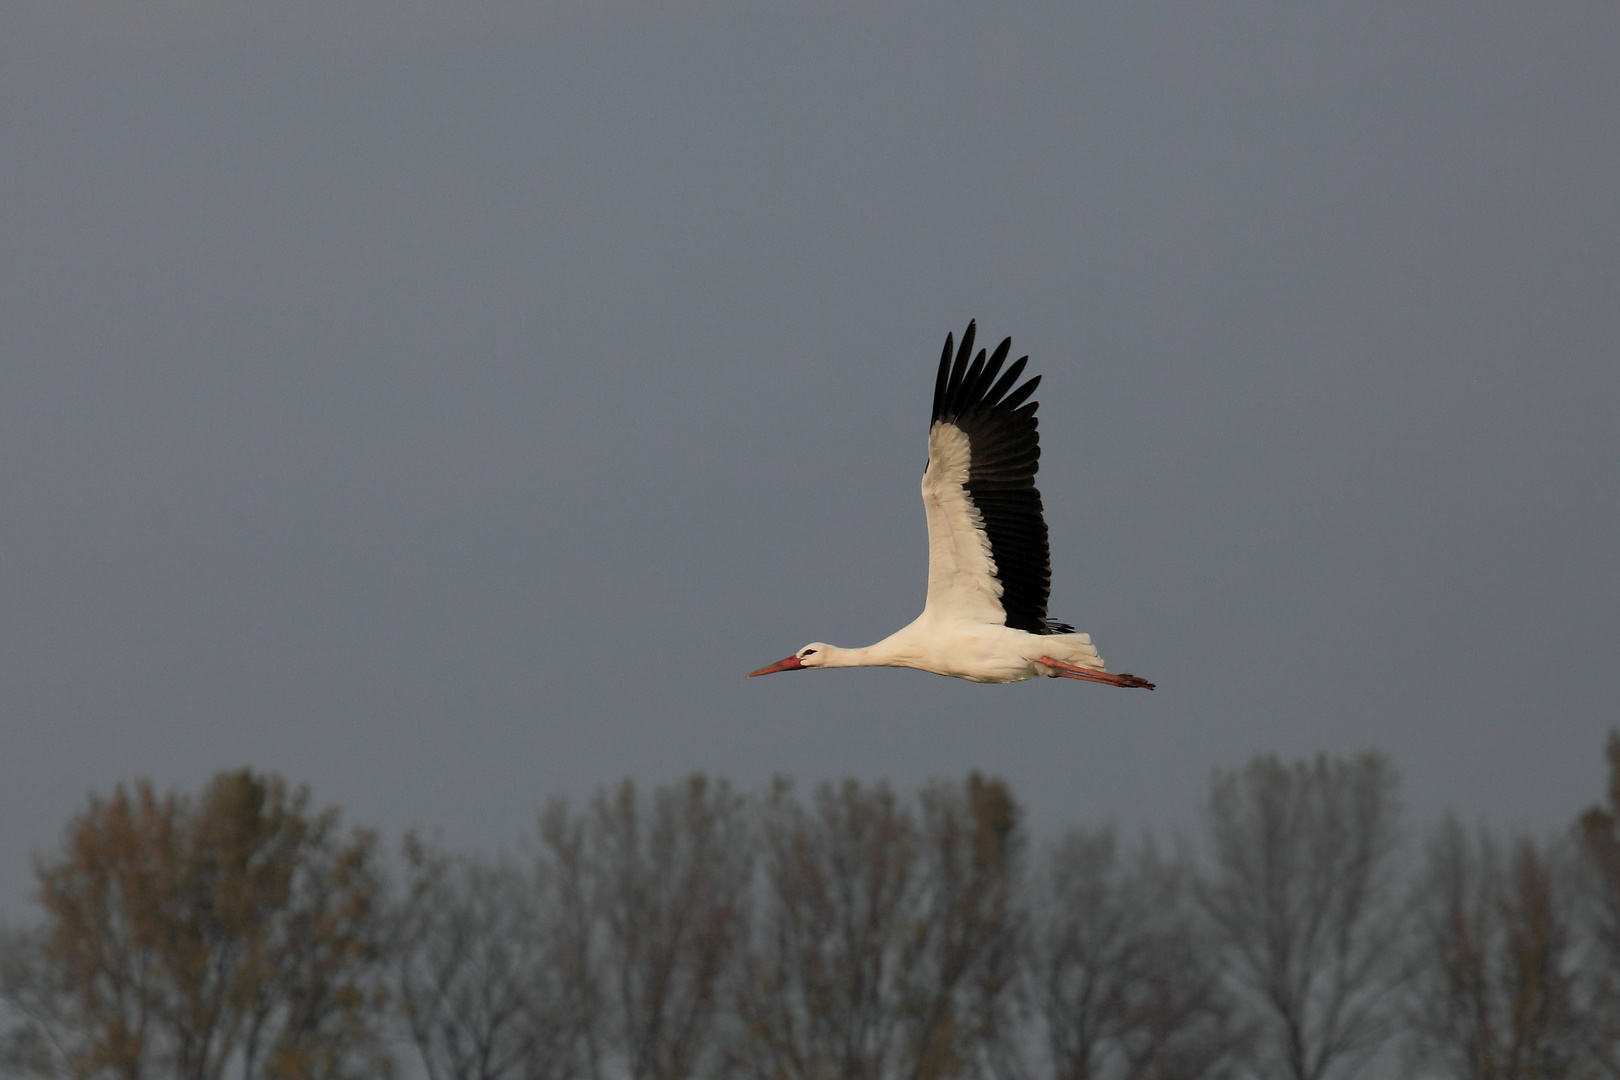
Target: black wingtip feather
point(988, 375)
point(964, 392)
point(962, 385)
point(1019, 395)
point(943, 378)
point(996, 392)
point(953, 385)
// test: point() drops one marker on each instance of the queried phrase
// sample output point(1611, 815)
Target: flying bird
point(989, 566)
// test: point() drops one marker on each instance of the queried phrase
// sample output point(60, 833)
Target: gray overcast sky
point(444, 404)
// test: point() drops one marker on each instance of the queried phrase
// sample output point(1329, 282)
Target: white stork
point(989, 567)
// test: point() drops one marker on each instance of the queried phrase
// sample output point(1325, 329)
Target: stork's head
point(813, 655)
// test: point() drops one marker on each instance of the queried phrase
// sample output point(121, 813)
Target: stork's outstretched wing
point(988, 559)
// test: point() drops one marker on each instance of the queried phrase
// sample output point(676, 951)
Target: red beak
point(790, 664)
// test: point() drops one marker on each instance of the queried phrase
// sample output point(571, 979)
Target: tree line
point(845, 933)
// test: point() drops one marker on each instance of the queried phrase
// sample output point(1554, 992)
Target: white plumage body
point(978, 652)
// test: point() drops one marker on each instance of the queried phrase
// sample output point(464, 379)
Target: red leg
point(1069, 671)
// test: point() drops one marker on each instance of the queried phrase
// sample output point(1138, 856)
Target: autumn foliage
point(237, 934)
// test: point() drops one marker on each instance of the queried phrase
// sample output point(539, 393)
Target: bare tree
point(1491, 988)
point(235, 935)
point(563, 861)
point(1302, 900)
point(482, 985)
point(1119, 981)
point(46, 1042)
point(1598, 983)
point(652, 894)
point(884, 946)
point(962, 956)
point(821, 998)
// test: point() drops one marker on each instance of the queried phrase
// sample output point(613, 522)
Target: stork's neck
point(892, 651)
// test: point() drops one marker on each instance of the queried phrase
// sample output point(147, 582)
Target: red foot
point(1069, 671)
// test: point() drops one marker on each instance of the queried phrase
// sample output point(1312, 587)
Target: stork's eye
point(807, 652)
